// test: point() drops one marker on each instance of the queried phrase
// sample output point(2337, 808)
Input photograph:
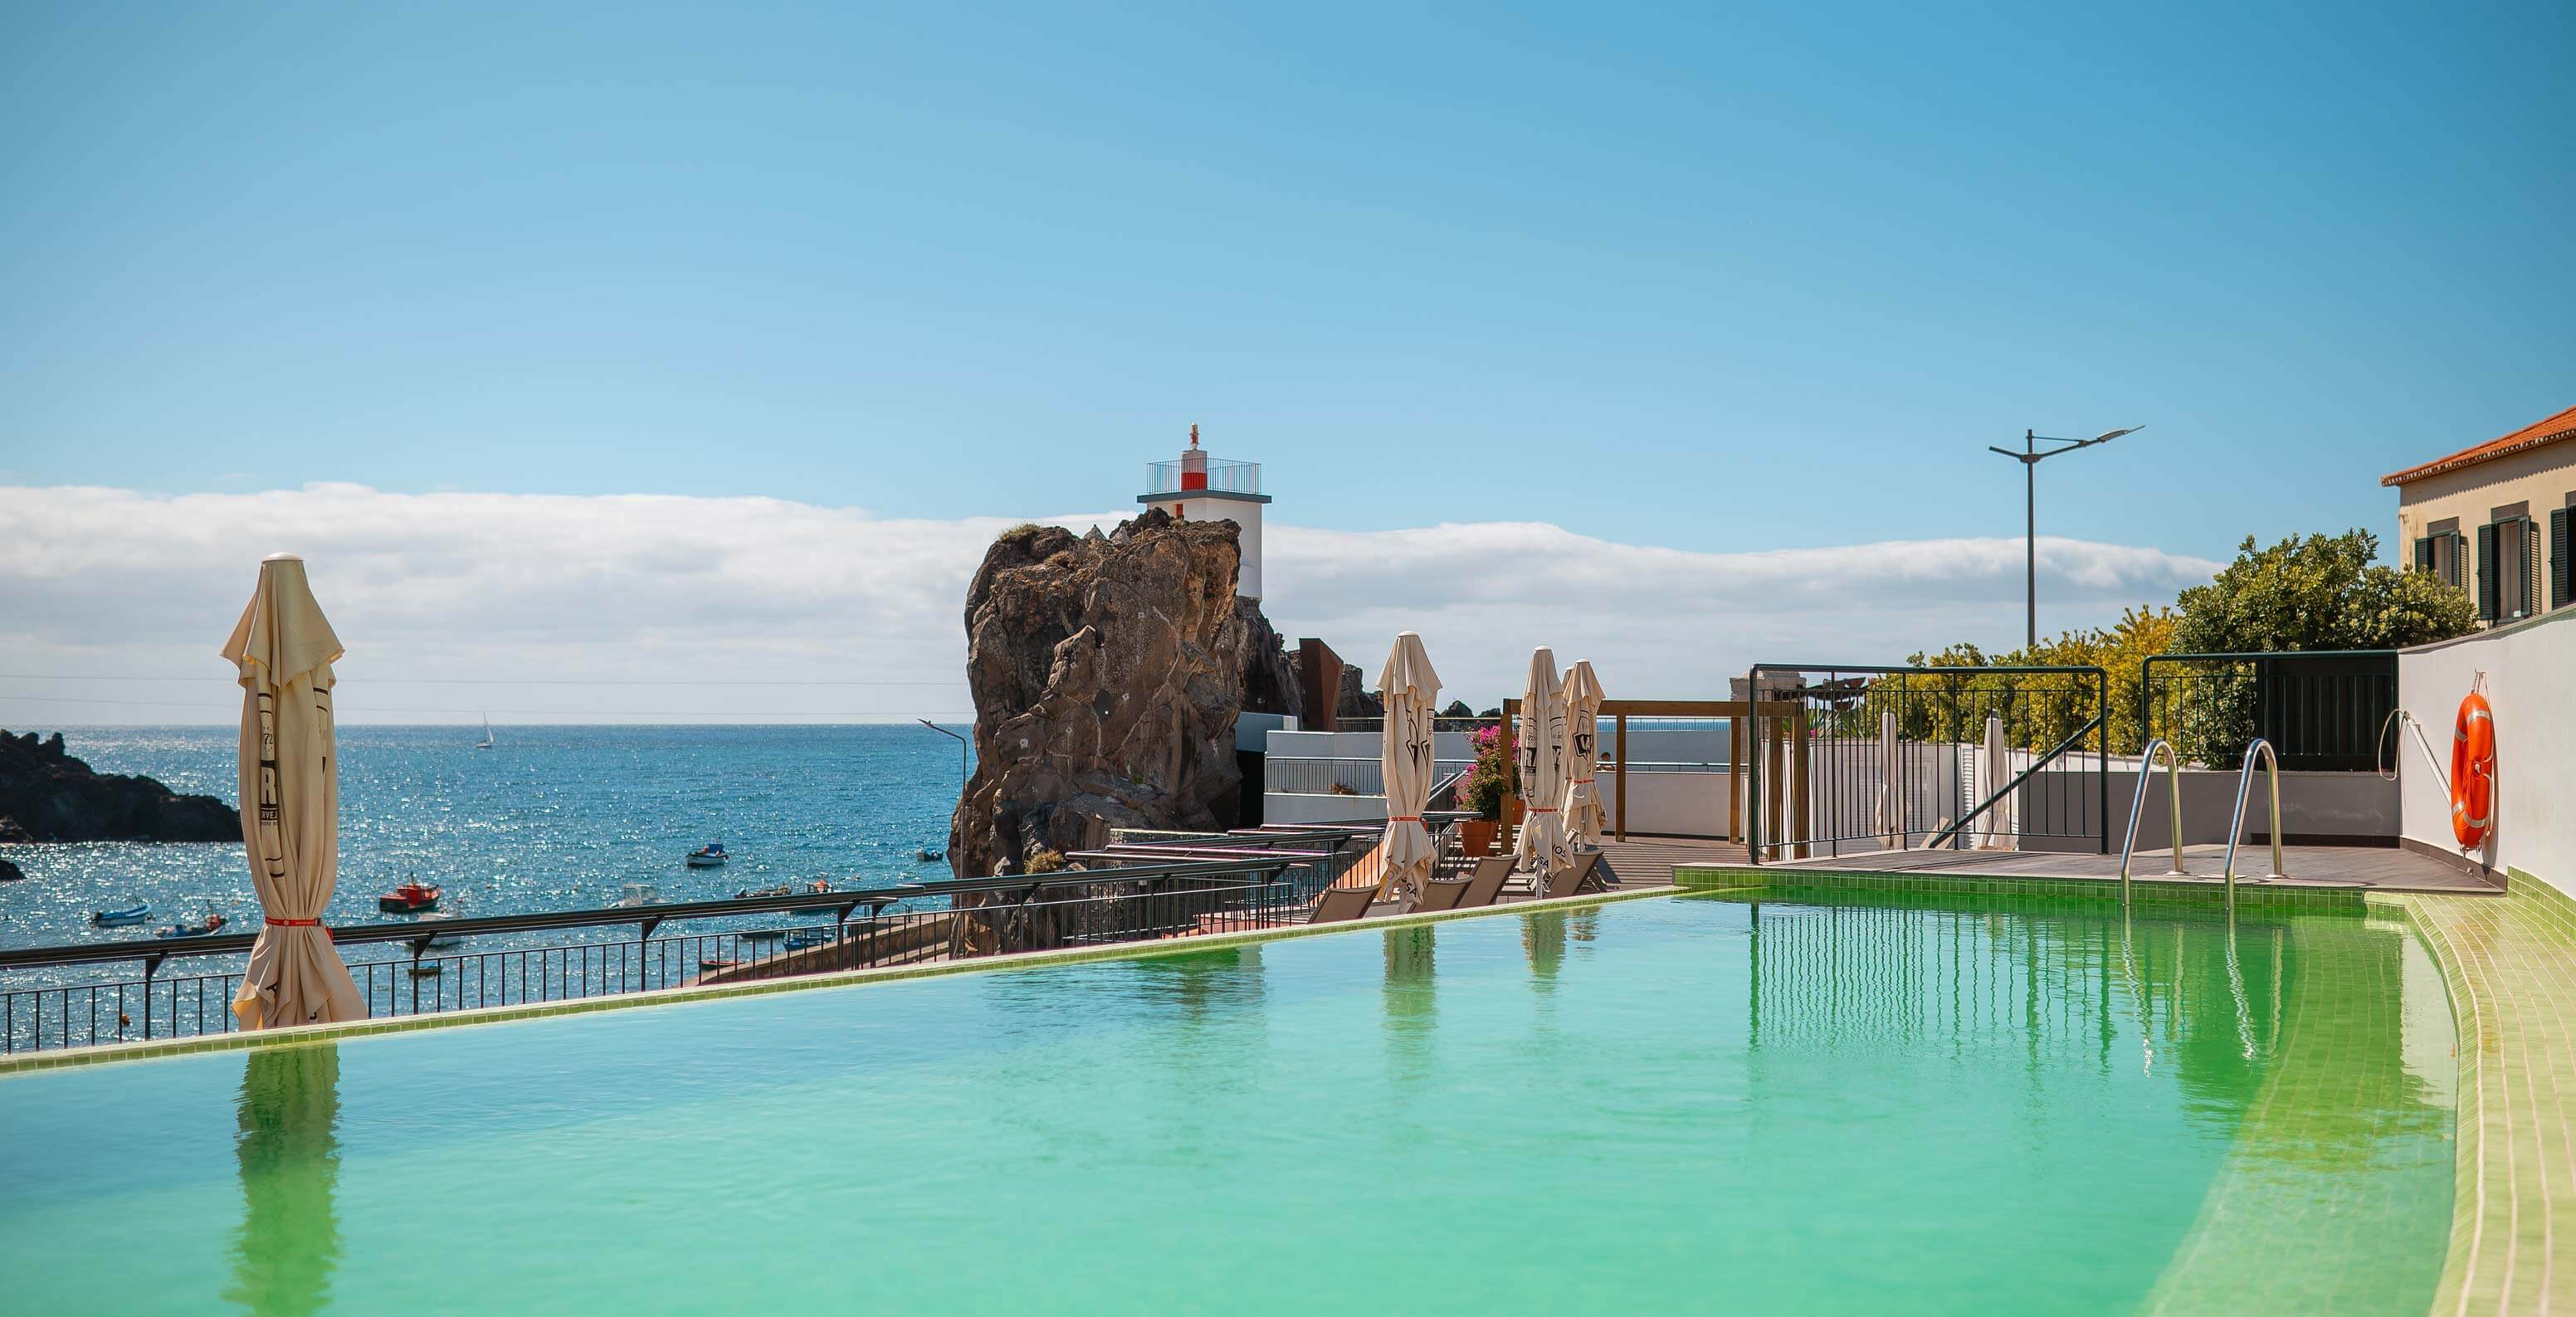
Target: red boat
point(409, 899)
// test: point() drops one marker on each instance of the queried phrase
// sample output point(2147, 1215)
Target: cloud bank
point(546, 608)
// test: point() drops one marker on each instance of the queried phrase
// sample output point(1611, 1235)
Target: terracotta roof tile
point(2561, 426)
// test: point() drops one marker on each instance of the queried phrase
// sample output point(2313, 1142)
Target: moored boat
point(213, 921)
point(409, 898)
point(133, 914)
point(636, 894)
point(782, 889)
point(708, 856)
point(926, 855)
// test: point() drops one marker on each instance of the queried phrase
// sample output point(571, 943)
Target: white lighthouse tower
point(1202, 488)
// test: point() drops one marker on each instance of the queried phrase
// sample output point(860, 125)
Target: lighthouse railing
point(1223, 477)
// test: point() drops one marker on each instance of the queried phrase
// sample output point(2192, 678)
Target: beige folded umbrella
point(1997, 821)
point(1411, 691)
point(1585, 820)
point(1543, 764)
point(290, 802)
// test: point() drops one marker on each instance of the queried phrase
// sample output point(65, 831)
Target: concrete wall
point(2531, 684)
point(2356, 809)
point(1670, 804)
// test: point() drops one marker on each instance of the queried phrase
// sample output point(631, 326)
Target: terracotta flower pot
point(1477, 836)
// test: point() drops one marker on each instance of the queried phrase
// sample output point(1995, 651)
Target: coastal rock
point(1353, 700)
point(1270, 682)
point(10, 873)
point(1107, 675)
point(46, 795)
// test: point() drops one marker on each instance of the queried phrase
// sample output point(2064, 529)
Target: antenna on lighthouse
point(1194, 434)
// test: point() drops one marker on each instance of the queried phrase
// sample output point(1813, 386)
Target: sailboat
point(486, 742)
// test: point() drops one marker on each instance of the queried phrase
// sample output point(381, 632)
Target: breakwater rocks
point(46, 795)
point(1107, 671)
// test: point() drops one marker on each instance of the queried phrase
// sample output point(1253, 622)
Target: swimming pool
point(1687, 1102)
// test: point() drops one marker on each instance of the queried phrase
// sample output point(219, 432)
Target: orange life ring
point(2472, 770)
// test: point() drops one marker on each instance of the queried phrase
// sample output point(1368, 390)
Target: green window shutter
point(2487, 576)
point(2424, 554)
point(2562, 560)
point(2529, 594)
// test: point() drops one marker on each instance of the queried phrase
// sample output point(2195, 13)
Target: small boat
point(409, 899)
point(819, 887)
point(760, 934)
point(927, 855)
point(486, 742)
point(442, 938)
point(716, 963)
point(708, 856)
point(800, 938)
point(132, 914)
point(426, 969)
point(635, 895)
point(198, 928)
point(783, 889)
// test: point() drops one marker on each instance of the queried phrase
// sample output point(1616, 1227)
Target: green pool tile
point(2510, 966)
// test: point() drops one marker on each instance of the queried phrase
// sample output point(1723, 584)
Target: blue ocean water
point(550, 818)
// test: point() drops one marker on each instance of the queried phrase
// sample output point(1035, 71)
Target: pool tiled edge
point(2510, 966)
point(225, 1042)
point(1936, 888)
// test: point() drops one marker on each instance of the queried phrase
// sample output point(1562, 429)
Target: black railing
point(2320, 709)
point(908, 923)
point(1885, 758)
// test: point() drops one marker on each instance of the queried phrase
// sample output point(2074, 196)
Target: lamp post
point(961, 752)
point(2030, 456)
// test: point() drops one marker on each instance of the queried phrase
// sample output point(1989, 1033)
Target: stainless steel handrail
point(2138, 805)
point(2236, 824)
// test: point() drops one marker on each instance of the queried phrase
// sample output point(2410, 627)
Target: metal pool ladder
point(2236, 825)
point(2138, 805)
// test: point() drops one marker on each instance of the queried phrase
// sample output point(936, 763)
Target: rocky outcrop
point(46, 795)
point(1353, 700)
point(9, 873)
point(1270, 682)
point(1107, 673)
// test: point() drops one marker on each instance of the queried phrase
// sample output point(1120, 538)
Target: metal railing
point(907, 923)
point(2158, 748)
point(2320, 709)
point(1893, 758)
point(2236, 823)
point(1289, 774)
point(1224, 477)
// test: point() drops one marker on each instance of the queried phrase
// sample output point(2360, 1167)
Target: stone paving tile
point(2511, 967)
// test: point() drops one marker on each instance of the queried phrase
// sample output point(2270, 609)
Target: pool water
point(1671, 1103)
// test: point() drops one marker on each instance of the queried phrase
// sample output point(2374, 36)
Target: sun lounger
point(1486, 883)
point(1341, 904)
point(1574, 877)
point(1441, 894)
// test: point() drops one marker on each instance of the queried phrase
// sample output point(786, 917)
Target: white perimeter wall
point(2531, 685)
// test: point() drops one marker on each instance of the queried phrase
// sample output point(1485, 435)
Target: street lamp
point(961, 752)
point(2030, 457)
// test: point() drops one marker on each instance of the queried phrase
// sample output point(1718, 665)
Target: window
point(2562, 555)
point(2508, 569)
point(2440, 552)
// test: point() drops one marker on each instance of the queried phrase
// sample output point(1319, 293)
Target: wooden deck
point(2383, 868)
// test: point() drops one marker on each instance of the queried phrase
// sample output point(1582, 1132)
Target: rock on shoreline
point(46, 795)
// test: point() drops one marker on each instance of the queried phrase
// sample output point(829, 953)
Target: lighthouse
point(1198, 487)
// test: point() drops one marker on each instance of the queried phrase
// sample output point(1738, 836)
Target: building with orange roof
point(2494, 519)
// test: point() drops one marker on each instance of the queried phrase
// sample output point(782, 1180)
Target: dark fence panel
point(2321, 710)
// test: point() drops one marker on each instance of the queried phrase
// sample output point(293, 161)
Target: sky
point(608, 340)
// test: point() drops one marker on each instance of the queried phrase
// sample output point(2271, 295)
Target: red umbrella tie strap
point(1405, 818)
point(1549, 810)
point(274, 922)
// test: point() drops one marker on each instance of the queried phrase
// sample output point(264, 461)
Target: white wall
point(1668, 804)
point(2531, 685)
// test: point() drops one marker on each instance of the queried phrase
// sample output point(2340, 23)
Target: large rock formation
point(1107, 673)
point(46, 795)
point(1270, 682)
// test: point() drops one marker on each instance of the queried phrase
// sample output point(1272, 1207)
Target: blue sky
point(1801, 267)
point(1761, 287)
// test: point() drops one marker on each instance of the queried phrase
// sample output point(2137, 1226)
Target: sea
point(548, 818)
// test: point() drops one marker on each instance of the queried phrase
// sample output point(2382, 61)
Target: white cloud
point(608, 597)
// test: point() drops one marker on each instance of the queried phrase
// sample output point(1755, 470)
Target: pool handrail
point(2138, 805)
point(2236, 823)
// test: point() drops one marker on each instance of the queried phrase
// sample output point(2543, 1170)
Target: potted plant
point(1483, 792)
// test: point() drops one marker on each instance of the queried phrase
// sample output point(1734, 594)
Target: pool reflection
point(289, 1153)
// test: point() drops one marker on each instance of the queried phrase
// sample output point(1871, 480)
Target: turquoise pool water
point(1688, 1103)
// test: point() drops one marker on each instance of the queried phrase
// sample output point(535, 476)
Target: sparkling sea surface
point(550, 818)
point(1666, 1105)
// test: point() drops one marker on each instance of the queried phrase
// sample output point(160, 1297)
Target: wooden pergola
point(1782, 725)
